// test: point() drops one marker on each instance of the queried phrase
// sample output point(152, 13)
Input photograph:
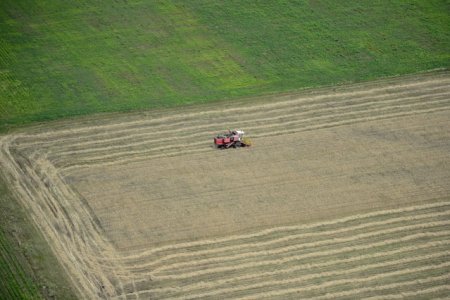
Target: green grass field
point(65, 58)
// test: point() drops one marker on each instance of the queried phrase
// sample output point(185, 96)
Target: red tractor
point(233, 138)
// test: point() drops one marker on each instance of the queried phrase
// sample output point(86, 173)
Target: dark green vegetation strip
point(66, 58)
point(28, 269)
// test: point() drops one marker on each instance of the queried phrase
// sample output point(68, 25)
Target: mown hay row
point(211, 281)
point(359, 257)
point(354, 292)
point(177, 274)
point(223, 244)
point(276, 244)
point(445, 288)
point(266, 130)
point(439, 80)
point(186, 127)
point(280, 287)
point(189, 133)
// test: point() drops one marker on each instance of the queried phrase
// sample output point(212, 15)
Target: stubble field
point(344, 194)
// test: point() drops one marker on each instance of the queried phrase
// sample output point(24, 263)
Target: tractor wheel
point(237, 144)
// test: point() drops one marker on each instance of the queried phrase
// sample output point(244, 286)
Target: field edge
point(262, 97)
point(37, 272)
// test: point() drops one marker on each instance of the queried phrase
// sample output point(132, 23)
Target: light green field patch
point(202, 56)
point(13, 91)
point(320, 65)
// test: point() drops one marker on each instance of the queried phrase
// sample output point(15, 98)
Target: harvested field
point(345, 194)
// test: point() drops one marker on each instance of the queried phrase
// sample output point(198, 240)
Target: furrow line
point(238, 238)
point(264, 253)
point(62, 152)
point(264, 127)
point(301, 279)
point(213, 284)
point(151, 131)
point(403, 295)
point(127, 158)
point(249, 247)
point(381, 288)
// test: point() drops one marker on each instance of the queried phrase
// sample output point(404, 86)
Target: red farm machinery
point(231, 139)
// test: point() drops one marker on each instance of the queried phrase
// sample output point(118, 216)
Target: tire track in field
point(352, 117)
point(174, 135)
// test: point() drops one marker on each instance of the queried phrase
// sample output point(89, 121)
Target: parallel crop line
point(402, 295)
point(215, 283)
point(211, 132)
point(208, 242)
point(279, 261)
point(165, 154)
point(330, 273)
point(357, 113)
point(394, 87)
point(303, 110)
point(90, 159)
point(289, 237)
point(380, 288)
